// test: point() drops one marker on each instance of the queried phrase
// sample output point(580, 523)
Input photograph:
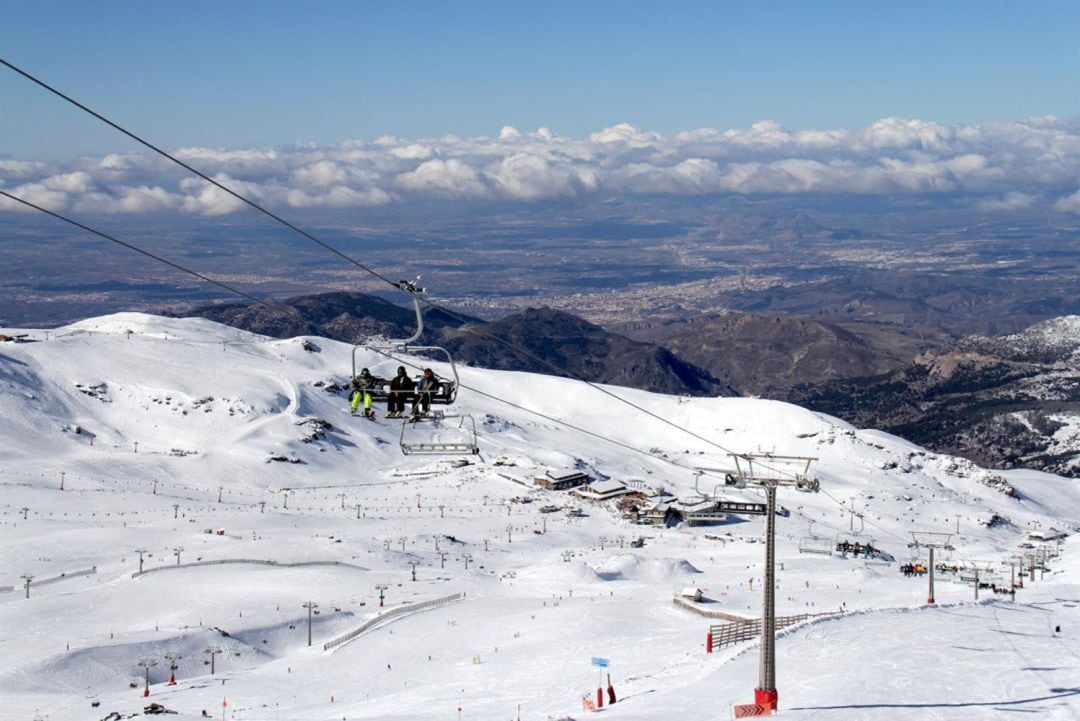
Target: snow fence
point(392, 613)
point(53, 579)
point(260, 562)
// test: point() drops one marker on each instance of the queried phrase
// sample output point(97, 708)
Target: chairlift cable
point(600, 388)
point(288, 311)
point(316, 326)
point(200, 276)
point(197, 172)
point(840, 503)
point(546, 417)
point(358, 264)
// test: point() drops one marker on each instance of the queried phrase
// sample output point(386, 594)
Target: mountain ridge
point(1008, 401)
point(587, 351)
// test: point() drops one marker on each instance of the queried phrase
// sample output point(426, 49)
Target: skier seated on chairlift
point(427, 386)
point(362, 386)
point(401, 387)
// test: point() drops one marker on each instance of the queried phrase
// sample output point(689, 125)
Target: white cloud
point(447, 178)
point(413, 151)
point(890, 156)
point(509, 132)
point(1012, 200)
point(205, 199)
point(531, 177)
point(77, 182)
point(20, 169)
point(624, 133)
point(319, 174)
point(1068, 204)
point(38, 194)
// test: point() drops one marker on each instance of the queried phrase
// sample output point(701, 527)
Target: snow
point(209, 406)
point(1062, 333)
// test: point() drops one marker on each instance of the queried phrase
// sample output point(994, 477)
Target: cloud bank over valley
point(1010, 165)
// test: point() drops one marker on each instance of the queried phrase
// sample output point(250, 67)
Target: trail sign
point(600, 662)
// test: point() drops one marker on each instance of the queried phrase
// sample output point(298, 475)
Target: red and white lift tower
point(769, 471)
point(172, 657)
point(147, 664)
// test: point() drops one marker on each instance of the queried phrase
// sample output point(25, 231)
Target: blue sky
point(242, 74)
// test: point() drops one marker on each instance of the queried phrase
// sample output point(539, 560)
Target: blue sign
point(601, 662)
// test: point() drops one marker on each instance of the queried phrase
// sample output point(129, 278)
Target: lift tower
point(931, 540)
point(769, 471)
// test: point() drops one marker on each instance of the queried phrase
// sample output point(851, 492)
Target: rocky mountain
point(767, 354)
point(962, 303)
point(348, 317)
point(576, 347)
point(1007, 402)
point(581, 350)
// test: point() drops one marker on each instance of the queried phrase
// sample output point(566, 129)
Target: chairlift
point(857, 544)
point(815, 544)
point(438, 433)
point(446, 393)
point(431, 432)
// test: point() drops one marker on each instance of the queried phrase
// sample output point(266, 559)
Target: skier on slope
point(401, 387)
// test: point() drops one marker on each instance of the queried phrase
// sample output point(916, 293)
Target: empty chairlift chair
point(815, 544)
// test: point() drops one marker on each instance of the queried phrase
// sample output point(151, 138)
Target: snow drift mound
point(632, 567)
point(585, 572)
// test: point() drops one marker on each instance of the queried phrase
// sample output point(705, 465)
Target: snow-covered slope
point(163, 429)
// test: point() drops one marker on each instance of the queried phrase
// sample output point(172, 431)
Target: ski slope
point(149, 421)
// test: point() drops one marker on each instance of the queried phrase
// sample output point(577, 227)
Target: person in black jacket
point(401, 387)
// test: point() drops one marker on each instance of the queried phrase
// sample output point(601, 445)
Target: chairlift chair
point(856, 543)
point(439, 434)
point(815, 544)
point(435, 432)
point(447, 390)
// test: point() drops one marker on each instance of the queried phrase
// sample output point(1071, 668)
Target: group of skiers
point(913, 569)
point(402, 389)
point(856, 549)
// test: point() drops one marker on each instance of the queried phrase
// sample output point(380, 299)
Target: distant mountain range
point(990, 304)
point(540, 341)
point(1006, 402)
point(767, 354)
point(533, 339)
point(1009, 401)
point(348, 317)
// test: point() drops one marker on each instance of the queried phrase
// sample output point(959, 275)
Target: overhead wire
point(148, 254)
point(297, 315)
point(371, 271)
point(861, 516)
point(194, 170)
point(285, 309)
point(314, 326)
